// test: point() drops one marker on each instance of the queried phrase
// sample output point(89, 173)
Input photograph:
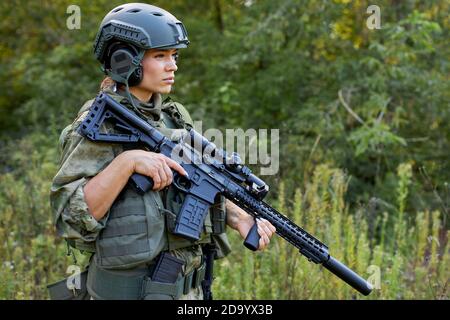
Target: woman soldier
point(135, 253)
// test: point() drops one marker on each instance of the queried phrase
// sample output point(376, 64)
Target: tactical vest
point(139, 227)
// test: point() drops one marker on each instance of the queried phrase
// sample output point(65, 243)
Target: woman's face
point(159, 68)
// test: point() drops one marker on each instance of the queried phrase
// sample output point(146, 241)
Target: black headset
point(120, 59)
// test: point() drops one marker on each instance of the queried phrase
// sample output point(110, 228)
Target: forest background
point(363, 117)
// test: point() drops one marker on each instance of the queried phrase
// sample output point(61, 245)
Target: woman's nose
point(171, 66)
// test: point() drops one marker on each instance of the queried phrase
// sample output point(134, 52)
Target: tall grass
point(405, 260)
point(30, 253)
point(404, 255)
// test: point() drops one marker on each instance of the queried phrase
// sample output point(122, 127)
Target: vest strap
point(124, 230)
point(122, 210)
point(122, 250)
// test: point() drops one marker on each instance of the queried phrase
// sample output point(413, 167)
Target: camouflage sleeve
point(80, 161)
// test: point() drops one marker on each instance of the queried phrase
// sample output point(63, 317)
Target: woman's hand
point(154, 165)
point(265, 230)
point(241, 221)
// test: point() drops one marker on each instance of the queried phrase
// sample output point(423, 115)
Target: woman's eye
point(159, 56)
point(175, 56)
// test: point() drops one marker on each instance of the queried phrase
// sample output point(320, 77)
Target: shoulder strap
point(177, 113)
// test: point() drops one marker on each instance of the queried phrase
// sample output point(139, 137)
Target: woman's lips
point(170, 80)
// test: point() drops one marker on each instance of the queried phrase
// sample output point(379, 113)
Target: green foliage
point(373, 103)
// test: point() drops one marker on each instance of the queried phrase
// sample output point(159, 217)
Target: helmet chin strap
point(135, 108)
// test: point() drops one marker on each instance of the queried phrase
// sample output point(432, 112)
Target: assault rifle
point(211, 171)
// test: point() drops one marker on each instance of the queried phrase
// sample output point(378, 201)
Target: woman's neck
point(141, 94)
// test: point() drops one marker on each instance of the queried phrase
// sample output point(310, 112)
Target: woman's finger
point(163, 175)
point(176, 166)
point(264, 236)
point(169, 174)
point(156, 179)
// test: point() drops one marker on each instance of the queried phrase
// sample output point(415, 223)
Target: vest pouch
point(134, 233)
point(218, 219)
point(218, 215)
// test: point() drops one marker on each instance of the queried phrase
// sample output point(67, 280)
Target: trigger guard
point(176, 179)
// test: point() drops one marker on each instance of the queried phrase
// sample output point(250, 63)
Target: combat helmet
point(130, 29)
